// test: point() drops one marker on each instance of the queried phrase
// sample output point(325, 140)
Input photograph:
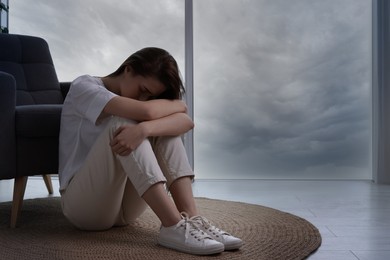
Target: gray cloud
point(95, 37)
point(287, 89)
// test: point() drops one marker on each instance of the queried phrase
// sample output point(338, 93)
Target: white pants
point(107, 190)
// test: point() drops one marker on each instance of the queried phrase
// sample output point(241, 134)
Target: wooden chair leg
point(48, 183)
point(17, 202)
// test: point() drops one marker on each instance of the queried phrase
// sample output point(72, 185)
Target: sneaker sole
point(216, 249)
point(233, 246)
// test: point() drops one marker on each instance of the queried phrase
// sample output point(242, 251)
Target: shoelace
point(191, 229)
point(204, 222)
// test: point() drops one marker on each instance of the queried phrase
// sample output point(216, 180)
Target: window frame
point(189, 76)
point(380, 91)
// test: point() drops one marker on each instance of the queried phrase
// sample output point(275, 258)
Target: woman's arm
point(127, 138)
point(143, 110)
point(173, 125)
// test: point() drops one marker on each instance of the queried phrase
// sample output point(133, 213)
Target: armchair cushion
point(28, 59)
point(38, 120)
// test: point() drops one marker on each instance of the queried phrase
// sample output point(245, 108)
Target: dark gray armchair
point(30, 111)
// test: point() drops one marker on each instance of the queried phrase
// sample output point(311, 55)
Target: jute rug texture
point(44, 233)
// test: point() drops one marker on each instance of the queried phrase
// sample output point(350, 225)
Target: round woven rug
point(44, 233)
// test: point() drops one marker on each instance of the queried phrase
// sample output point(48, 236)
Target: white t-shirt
point(82, 122)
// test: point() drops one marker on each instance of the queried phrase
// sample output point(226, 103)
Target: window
point(282, 90)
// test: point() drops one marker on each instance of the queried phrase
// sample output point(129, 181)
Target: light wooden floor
point(352, 216)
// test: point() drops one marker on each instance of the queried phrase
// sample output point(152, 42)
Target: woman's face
point(140, 88)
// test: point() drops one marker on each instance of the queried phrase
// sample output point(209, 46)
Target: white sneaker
point(230, 242)
point(187, 238)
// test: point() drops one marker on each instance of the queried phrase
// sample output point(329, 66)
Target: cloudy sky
point(282, 87)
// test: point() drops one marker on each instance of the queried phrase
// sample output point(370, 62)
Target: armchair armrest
point(7, 126)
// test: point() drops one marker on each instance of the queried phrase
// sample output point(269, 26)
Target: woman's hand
point(127, 138)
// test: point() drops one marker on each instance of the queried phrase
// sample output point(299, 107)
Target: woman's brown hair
point(157, 63)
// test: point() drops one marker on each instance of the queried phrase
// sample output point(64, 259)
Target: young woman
point(120, 150)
